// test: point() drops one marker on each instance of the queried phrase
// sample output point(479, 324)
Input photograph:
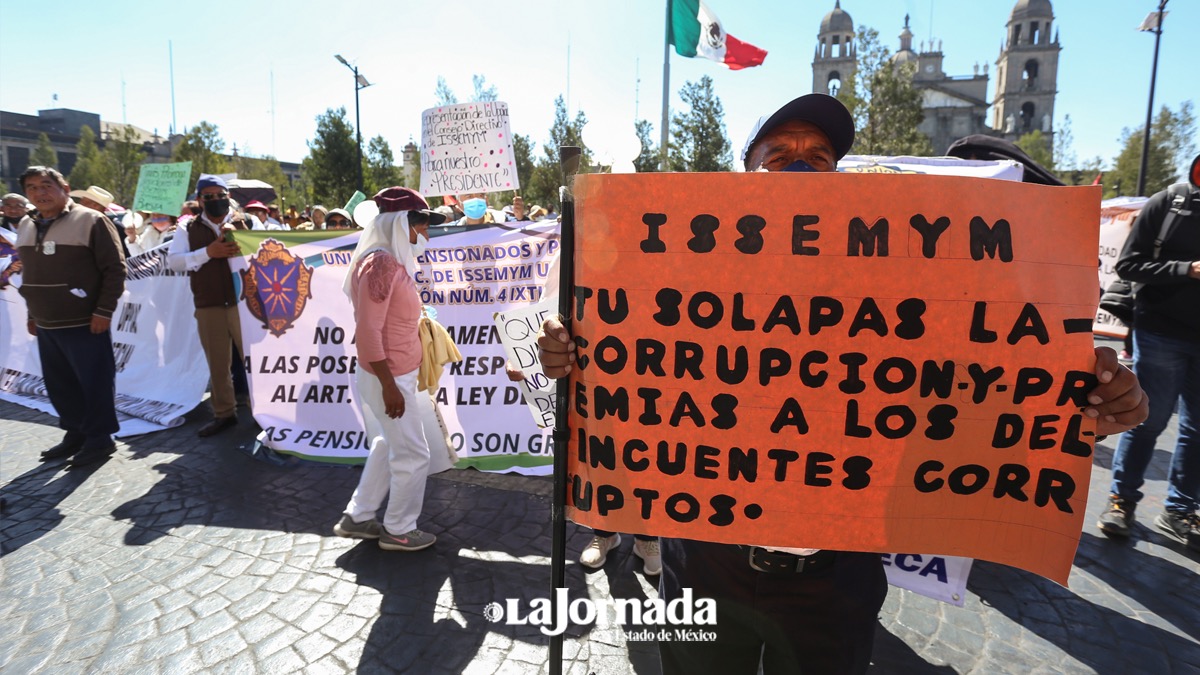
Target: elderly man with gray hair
point(15, 207)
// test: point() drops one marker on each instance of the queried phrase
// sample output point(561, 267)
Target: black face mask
point(216, 208)
point(799, 166)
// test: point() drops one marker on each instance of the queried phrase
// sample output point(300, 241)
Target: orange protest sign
point(848, 362)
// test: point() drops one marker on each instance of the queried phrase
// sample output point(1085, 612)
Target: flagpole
point(662, 148)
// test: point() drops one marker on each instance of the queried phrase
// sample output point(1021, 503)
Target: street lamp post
point(360, 83)
point(1153, 24)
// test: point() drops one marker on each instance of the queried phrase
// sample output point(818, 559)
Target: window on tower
point(1027, 116)
point(834, 84)
point(1029, 76)
point(1033, 33)
point(1016, 36)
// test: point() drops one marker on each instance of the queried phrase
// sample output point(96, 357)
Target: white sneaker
point(597, 551)
point(651, 558)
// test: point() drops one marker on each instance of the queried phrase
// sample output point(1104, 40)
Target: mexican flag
point(696, 31)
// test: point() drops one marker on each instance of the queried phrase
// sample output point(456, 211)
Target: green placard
point(357, 199)
point(162, 188)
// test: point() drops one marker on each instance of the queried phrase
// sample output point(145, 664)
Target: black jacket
point(1168, 302)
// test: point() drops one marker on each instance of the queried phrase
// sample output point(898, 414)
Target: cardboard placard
point(848, 362)
point(467, 148)
point(162, 188)
point(355, 199)
point(518, 331)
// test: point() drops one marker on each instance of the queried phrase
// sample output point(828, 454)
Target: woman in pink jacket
point(386, 311)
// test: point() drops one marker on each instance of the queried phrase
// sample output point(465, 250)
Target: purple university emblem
point(277, 287)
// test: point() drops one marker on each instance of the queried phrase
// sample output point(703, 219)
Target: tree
point(202, 146)
point(546, 176)
point(90, 167)
point(1063, 147)
point(381, 170)
point(332, 162)
point(483, 93)
point(1036, 146)
point(443, 93)
point(268, 170)
point(1172, 147)
point(648, 159)
point(1085, 174)
point(1181, 129)
point(1066, 162)
point(698, 140)
point(297, 192)
point(885, 104)
point(123, 155)
point(44, 154)
point(523, 160)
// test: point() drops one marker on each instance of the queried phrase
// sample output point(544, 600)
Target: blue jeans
point(1167, 369)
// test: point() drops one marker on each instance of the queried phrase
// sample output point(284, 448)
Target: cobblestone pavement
point(182, 555)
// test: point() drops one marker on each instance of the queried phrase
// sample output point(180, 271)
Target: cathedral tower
point(1027, 73)
point(835, 57)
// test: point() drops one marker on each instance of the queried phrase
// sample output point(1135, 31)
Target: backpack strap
point(1181, 202)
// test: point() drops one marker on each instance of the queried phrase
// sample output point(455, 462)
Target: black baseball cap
point(823, 110)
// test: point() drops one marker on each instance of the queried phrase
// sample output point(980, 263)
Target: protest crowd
point(780, 608)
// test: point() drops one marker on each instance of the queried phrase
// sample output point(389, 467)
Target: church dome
point(1032, 8)
point(838, 21)
point(904, 56)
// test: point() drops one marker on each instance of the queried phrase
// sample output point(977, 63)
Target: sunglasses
point(336, 221)
point(208, 197)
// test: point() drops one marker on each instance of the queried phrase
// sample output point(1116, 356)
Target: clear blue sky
point(225, 54)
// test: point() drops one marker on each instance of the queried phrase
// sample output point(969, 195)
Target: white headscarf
point(385, 232)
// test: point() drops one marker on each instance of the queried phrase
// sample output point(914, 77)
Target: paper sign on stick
point(518, 330)
point(355, 199)
point(847, 362)
point(162, 188)
point(467, 148)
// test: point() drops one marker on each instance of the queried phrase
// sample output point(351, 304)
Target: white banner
point(299, 340)
point(467, 148)
point(161, 371)
point(940, 577)
point(938, 166)
point(1116, 221)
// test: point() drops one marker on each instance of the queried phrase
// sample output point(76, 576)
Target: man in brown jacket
point(74, 273)
point(200, 248)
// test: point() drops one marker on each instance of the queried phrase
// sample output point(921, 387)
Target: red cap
point(390, 200)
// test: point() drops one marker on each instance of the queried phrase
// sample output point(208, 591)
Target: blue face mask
point(475, 208)
point(799, 165)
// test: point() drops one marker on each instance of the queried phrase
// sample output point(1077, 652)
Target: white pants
point(399, 459)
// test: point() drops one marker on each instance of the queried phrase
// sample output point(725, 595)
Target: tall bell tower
point(835, 58)
point(1027, 73)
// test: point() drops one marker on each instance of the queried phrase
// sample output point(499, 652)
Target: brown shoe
point(216, 426)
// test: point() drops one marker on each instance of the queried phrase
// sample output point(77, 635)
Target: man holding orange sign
point(784, 608)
